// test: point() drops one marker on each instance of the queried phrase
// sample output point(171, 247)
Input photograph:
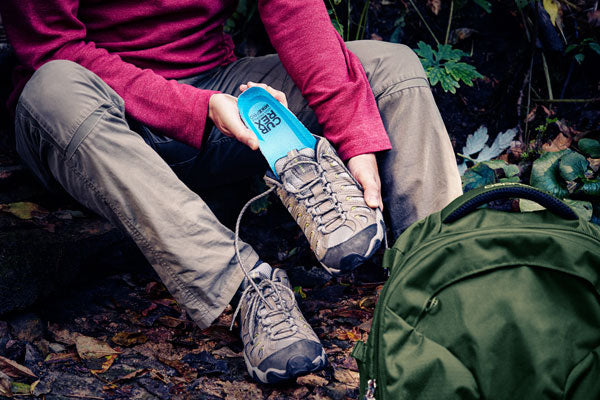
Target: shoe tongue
point(298, 174)
point(258, 273)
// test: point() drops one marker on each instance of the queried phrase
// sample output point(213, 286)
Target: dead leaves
point(434, 6)
point(128, 339)
point(24, 210)
point(14, 369)
point(90, 348)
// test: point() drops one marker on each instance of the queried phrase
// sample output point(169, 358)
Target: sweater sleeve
point(45, 30)
point(329, 76)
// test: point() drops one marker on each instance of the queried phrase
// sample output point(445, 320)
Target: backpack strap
point(478, 197)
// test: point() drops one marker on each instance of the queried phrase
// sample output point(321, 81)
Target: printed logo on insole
point(264, 118)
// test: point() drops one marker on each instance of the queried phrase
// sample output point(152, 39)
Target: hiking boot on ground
point(278, 342)
point(329, 206)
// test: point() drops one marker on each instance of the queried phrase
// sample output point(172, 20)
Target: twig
point(568, 78)
point(520, 101)
point(592, 100)
point(466, 157)
point(569, 4)
point(526, 133)
point(362, 25)
point(449, 22)
point(425, 22)
point(334, 13)
point(547, 75)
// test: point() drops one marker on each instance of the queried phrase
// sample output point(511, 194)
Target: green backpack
point(486, 304)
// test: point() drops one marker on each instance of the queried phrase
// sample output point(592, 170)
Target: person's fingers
point(364, 169)
point(372, 190)
point(224, 113)
point(279, 95)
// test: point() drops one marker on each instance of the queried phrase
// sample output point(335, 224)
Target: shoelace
point(304, 193)
point(267, 288)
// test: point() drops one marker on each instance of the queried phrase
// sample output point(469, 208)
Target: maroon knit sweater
point(139, 48)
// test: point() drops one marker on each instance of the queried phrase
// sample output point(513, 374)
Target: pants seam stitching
point(398, 83)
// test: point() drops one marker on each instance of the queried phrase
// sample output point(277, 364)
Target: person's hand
point(364, 169)
point(279, 96)
point(224, 113)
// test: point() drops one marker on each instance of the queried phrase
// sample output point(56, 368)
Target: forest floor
point(120, 334)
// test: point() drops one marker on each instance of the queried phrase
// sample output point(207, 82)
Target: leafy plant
point(444, 66)
point(565, 173)
point(476, 145)
point(590, 147)
point(488, 172)
point(345, 26)
point(579, 48)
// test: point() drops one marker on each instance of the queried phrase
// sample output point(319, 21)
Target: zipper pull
point(371, 385)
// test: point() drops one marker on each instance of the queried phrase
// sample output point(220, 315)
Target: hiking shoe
point(329, 206)
point(278, 342)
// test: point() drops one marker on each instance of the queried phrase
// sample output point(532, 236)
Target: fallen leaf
point(343, 334)
point(560, 142)
point(312, 380)
point(350, 378)
point(184, 369)
point(434, 5)
point(594, 163)
point(241, 390)
point(24, 210)
point(60, 357)
point(366, 326)
point(171, 322)
point(226, 352)
point(13, 369)
point(5, 385)
point(20, 389)
point(88, 348)
point(367, 303)
point(131, 375)
point(156, 290)
point(463, 33)
point(128, 339)
point(594, 18)
point(63, 335)
point(298, 290)
point(105, 365)
point(154, 374)
point(552, 8)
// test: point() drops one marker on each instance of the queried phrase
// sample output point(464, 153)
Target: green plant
point(579, 48)
point(541, 129)
point(567, 172)
point(346, 26)
point(444, 66)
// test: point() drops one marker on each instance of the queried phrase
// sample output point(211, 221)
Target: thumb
point(372, 192)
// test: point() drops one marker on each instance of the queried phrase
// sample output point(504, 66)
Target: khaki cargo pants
point(72, 132)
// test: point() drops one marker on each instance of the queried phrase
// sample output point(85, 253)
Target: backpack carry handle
point(478, 197)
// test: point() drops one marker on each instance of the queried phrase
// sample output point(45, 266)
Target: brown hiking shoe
point(328, 205)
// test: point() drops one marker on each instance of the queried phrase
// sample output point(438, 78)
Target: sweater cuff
point(198, 121)
point(361, 145)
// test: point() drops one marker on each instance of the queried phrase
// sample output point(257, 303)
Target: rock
point(27, 327)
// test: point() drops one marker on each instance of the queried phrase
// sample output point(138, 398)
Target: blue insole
point(277, 128)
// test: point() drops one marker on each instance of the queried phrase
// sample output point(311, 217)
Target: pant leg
point(71, 129)
point(419, 175)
